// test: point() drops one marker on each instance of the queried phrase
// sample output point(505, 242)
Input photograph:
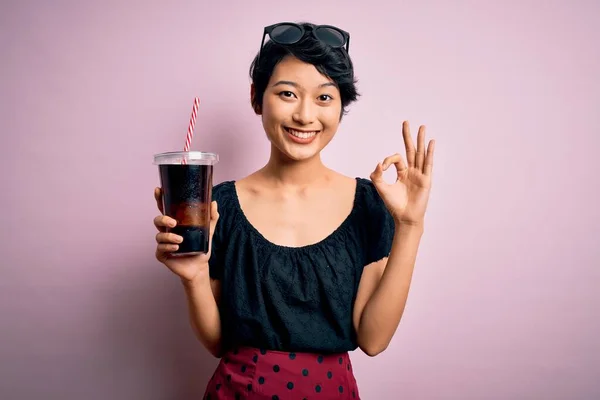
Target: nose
point(306, 112)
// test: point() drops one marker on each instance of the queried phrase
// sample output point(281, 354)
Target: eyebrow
point(294, 84)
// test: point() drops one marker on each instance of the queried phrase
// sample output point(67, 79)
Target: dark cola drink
point(186, 181)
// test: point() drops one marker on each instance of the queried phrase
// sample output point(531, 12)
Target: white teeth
point(302, 135)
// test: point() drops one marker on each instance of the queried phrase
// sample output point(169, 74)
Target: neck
point(286, 172)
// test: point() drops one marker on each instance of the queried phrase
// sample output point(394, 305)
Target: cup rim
point(192, 156)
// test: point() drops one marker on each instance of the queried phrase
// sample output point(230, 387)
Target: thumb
point(377, 175)
point(214, 217)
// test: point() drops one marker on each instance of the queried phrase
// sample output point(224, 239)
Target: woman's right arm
point(203, 294)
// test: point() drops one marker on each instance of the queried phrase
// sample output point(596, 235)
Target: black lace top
point(294, 298)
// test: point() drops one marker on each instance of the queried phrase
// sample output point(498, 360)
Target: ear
point(256, 107)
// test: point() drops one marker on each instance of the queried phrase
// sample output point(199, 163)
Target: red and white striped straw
point(190, 132)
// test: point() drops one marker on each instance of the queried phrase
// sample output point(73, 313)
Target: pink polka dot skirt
point(255, 374)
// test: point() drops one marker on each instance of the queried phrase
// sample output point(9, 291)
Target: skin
point(295, 200)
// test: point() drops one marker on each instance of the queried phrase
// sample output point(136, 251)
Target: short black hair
point(334, 63)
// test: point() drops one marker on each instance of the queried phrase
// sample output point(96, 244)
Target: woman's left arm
point(383, 291)
point(385, 284)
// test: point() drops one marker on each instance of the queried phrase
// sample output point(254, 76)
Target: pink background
point(504, 302)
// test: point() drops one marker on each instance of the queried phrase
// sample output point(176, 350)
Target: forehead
point(300, 72)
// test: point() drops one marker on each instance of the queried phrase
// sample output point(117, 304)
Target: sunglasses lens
point(331, 36)
point(286, 34)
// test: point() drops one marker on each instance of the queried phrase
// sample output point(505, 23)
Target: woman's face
point(301, 109)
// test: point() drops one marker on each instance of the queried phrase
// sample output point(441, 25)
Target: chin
point(296, 152)
point(300, 154)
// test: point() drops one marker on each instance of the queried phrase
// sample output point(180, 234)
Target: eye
point(287, 93)
point(325, 97)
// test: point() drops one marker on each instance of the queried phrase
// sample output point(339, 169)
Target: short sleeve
point(380, 227)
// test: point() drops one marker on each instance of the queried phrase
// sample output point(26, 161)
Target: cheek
point(274, 109)
point(331, 118)
point(273, 116)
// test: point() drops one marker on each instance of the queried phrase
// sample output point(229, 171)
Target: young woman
point(306, 264)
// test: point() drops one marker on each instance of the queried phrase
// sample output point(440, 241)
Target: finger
point(398, 162)
point(162, 222)
point(168, 238)
point(158, 198)
point(166, 248)
point(408, 144)
point(389, 160)
point(377, 174)
point(428, 168)
point(400, 168)
point(420, 156)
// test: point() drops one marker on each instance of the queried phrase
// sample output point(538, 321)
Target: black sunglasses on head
point(286, 33)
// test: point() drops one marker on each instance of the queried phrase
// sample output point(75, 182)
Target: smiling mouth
point(301, 134)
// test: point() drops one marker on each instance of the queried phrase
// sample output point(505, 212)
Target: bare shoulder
point(250, 184)
point(342, 182)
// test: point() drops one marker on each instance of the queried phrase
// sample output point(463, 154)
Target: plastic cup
point(186, 181)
